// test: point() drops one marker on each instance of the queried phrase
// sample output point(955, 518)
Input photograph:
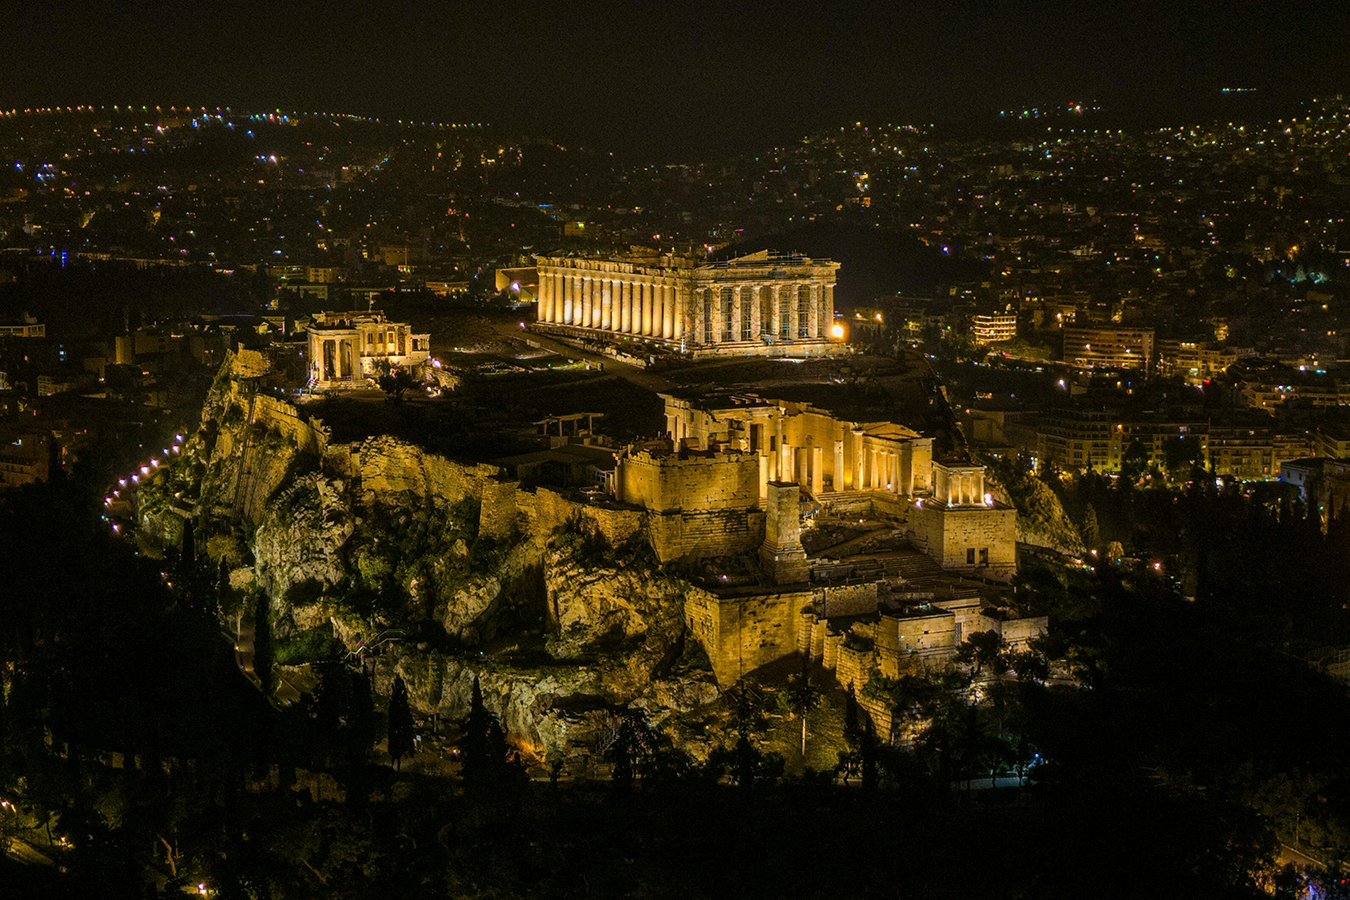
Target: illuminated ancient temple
point(760, 304)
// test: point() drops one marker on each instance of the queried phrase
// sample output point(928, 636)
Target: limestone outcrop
point(563, 616)
point(1041, 520)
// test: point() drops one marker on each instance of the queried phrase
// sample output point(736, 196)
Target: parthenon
point(754, 304)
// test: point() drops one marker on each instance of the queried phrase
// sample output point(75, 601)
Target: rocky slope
point(454, 572)
point(1041, 520)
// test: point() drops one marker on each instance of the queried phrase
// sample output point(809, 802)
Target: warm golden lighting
point(837, 332)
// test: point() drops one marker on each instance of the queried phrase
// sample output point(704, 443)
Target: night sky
point(665, 80)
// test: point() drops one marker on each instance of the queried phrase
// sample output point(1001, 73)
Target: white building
point(346, 348)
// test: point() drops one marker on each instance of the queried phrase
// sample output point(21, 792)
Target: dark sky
point(670, 79)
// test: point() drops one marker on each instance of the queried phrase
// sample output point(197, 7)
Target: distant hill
point(873, 260)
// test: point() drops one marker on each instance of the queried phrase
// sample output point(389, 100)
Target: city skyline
point(689, 80)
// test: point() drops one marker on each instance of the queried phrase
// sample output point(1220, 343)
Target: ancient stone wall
point(848, 599)
point(550, 510)
point(670, 484)
point(740, 634)
point(388, 466)
point(949, 536)
point(1016, 632)
point(699, 534)
point(499, 513)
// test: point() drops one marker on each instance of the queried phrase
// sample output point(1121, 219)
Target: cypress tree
point(400, 723)
point(484, 754)
point(1092, 535)
point(263, 652)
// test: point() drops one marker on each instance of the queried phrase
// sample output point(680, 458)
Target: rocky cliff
point(451, 570)
point(1041, 520)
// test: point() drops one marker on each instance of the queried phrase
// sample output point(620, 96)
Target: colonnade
point(669, 308)
point(883, 469)
point(962, 486)
point(625, 303)
point(786, 311)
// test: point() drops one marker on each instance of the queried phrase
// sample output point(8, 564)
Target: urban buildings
point(1109, 346)
point(990, 329)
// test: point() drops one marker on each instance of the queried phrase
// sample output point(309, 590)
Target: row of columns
point(965, 489)
point(336, 358)
point(710, 322)
point(626, 304)
point(882, 469)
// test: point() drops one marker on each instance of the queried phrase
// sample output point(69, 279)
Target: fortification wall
point(740, 634)
point(667, 484)
point(848, 599)
point(548, 510)
point(715, 533)
point(388, 466)
point(949, 536)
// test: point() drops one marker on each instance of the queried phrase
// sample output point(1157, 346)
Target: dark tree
point(624, 749)
point(264, 655)
point(1135, 464)
point(983, 648)
point(1092, 535)
point(401, 727)
point(396, 381)
point(188, 554)
point(485, 756)
point(869, 755)
point(802, 697)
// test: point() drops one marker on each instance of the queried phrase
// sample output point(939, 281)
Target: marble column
point(817, 468)
point(737, 302)
point(837, 475)
point(793, 312)
point(625, 306)
point(813, 321)
point(565, 301)
point(826, 310)
point(756, 315)
point(644, 324)
point(662, 313)
point(681, 303)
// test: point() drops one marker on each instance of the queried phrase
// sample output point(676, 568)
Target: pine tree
point(401, 728)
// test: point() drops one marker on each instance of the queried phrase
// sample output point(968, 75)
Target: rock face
point(301, 535)
point(618, 631)
point(466, 574)
point(1041, 520)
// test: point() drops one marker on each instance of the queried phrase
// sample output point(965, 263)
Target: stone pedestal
point(782, 554)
